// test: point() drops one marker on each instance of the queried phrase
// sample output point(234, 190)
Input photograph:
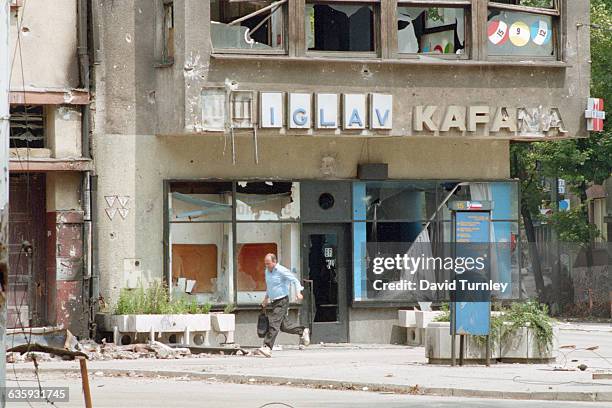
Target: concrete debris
point(111, 351)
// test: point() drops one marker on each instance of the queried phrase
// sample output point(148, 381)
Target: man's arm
point(289, 276)
point(266, 300)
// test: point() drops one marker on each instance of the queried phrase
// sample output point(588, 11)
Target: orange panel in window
point(251, 276)
point(195, 262)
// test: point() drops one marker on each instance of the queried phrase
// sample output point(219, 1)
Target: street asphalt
point(112, 392)
point(375, 368)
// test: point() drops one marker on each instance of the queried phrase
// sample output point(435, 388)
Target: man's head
point(270, 261)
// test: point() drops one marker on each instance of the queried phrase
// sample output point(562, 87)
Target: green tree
point(580, 162)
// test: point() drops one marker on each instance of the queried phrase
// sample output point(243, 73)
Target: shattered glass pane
point(200, 202)
point(259, 31)
point(431, 30)
point(269, 201)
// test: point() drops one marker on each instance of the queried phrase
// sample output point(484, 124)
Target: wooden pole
point(85, 381)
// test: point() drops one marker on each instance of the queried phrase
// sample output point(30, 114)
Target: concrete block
point(424, 318)
point(225, 323)
point(407, 318)
point(415, 336)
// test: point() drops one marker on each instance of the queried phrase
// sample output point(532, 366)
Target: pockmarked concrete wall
point(48, 45)
point(134, 168)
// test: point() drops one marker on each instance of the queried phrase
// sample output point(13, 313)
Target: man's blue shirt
point(278, 282)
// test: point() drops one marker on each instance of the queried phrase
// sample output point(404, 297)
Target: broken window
point(432, 30)
point(523, 28)
point(203, 251)
point(201, 202)
point(340, 26)
point(27, 126)
point(168, 32)
point(267, 214)
point(267, 201)
point(414, 216)
point(248, 24)
point(201, 240)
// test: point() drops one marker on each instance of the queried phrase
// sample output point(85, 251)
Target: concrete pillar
point(65, 302)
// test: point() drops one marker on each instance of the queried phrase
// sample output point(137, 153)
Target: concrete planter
point(224, 323)
point(519, 346)
point(415, 322)
point(126, 328)
point(438, 345)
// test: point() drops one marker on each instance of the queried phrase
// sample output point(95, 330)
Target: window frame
point(557, 35)
point(287, 21)
point(233, 221)
point(379, 28)
point(168, 34)
point(30, 117)
point(466, 5)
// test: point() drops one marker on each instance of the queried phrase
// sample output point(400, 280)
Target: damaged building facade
point(225, 130)
point(49, 165)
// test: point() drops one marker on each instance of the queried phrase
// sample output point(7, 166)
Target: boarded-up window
point(195, 262)
point(251, 267)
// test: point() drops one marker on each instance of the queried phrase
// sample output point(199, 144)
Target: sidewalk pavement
point(389, 368)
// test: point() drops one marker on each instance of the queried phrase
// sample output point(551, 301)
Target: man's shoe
point(264, 351)
point(305, 340)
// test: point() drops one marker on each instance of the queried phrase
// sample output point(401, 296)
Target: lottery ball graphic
point(520, 34)
point(498, 32)
point(540, 33)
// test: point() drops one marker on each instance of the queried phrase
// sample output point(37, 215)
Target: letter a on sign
point(271, 109)
point(354, 111)
point(381, 111)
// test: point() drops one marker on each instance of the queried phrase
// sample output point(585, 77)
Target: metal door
point(327, 264)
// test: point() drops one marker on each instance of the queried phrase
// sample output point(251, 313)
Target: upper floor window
point(168, 32)
point(256, 25)
point(523, 28)
point(422, 29)
point(340, 26)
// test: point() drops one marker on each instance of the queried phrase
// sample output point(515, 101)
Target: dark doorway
point(327, 265)
point(26, 292)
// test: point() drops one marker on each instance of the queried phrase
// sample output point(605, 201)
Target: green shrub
point(156, 300)
point(530, 314)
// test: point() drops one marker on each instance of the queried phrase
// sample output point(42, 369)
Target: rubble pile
point(111, 351)
point(107, 351)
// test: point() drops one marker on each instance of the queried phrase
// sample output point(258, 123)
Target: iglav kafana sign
point(376, 112)
point(372, 114)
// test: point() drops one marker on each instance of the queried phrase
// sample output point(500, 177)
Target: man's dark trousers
point(277, 320)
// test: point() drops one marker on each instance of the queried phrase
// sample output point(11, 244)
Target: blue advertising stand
point(471, 225)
